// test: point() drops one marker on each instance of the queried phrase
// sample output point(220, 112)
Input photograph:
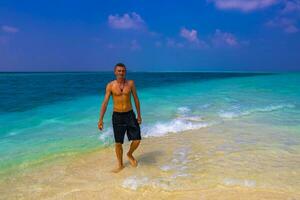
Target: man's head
point(120, 70)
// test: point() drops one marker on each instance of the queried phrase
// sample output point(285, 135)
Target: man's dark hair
point(120, 65)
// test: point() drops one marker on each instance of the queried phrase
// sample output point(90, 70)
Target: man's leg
point(133, 146)
point(119, 153)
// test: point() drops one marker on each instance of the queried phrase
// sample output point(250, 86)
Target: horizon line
point(162, 71)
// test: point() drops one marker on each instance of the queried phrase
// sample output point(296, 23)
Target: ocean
point(45, 116)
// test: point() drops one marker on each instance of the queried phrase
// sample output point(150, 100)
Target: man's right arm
point(104, 105)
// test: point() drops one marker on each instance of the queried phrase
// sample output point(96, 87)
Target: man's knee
point(136, 141)
point(118, 144)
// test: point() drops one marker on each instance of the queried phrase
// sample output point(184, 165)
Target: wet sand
point(228, 161)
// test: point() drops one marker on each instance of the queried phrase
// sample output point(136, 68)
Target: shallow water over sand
point(232, 160)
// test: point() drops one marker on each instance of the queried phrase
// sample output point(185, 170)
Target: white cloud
point(9, 29)
point(174, 44)
point(288, 13)
point(127, 21)
point(288, 25)
point(288, 18)
point(224, 39)
point(291, 6)
point(190, 35)
point(244, 5)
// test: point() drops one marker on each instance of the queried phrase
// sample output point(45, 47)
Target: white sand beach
point(227, 161)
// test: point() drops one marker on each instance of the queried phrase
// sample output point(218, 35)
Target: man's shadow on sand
point(149, 158)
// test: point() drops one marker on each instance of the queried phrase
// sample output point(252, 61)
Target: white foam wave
point(183, 121)
point(166, 167)
point(12, 133)
point(57, 121)
point(135, 182)
point(106, 136)
point(274, 107)
point(178, 163)
point(159, 129)
point(183, 110)
point(228, 115)
point(234, 114)
point(176, 125)
point(192, 118)
point(185, 114)
point(205, 105)
point(239, 182)
point(178, 167)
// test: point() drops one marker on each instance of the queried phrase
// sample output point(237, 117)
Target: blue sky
point(207, 35)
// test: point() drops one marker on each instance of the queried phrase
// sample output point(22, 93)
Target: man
point(123, 118)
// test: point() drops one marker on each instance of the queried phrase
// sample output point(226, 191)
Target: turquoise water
point(47, 115)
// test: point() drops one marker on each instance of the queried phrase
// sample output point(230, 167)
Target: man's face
point(120, 72)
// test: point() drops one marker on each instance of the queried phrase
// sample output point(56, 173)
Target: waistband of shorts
point(122, 113)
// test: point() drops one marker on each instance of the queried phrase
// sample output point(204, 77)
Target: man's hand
point(100, 125)
point(139, 119)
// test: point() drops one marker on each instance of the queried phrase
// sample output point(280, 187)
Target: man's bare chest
point(120, 91)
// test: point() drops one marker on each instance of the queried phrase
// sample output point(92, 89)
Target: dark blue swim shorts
point(125, 121)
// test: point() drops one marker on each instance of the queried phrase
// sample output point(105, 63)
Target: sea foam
point(239, 182)
point(239, 113)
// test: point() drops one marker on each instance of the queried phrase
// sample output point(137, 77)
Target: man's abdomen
point(122, 104)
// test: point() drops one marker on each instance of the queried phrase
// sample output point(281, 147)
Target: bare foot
point(117, 169)
point(132, 160)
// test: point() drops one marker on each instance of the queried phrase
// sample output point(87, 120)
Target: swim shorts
point(125, 121)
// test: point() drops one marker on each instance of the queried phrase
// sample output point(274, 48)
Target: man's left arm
point(136, 101)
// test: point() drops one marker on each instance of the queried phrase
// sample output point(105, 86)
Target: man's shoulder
point(130, 82)
point(109, 84)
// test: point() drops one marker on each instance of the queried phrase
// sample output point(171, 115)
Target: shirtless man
point(123, 117)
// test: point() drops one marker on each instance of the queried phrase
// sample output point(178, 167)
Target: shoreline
point(203, 163)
